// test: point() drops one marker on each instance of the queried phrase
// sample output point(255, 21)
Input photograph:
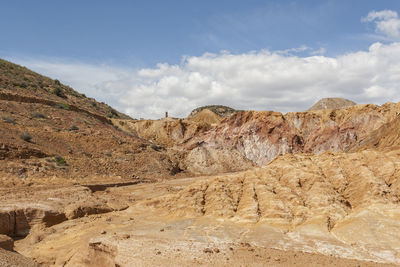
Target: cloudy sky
point(148, 57)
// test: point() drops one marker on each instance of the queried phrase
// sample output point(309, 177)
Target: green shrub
point(59, 92)
point(60, 161)
point(57, 82)
point(26, 137)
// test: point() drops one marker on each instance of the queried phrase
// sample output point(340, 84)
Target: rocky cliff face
point(262, 136)
point(211, 144)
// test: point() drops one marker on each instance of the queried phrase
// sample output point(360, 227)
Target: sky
point(147, 57)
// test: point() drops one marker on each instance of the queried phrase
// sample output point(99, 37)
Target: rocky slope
point(49, 129)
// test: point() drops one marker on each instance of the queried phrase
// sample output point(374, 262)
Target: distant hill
point(332, 103)
point(220, 110)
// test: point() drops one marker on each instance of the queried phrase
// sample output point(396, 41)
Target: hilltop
point(222, 111)
point(332, 103)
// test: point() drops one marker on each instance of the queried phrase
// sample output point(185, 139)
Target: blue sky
point(143, 33)
point(110, 43)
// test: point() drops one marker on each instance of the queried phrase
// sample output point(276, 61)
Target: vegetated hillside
point(48, 129)
point(332, 103)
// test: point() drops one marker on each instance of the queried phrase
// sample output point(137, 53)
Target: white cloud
point(262, 80)
point(387, 22)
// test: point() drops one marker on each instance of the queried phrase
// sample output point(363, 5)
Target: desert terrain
point(82, 184)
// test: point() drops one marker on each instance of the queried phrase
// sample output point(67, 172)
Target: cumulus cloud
point(387, 22)
point(258, 80)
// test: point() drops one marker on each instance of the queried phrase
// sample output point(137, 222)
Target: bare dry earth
point(331, 209)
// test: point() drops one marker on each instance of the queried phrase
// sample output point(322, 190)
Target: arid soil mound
point(332, 103)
